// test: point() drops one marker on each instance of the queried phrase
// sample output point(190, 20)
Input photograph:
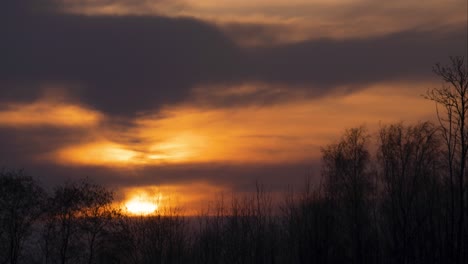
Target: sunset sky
point(188, 99)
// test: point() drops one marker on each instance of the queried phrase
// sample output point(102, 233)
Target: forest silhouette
point(395, 196)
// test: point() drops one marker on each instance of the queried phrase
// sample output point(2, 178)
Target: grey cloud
point(404, 55)
point(122, 64)
point(235, 177)
point(22, 146)
point(128, 64)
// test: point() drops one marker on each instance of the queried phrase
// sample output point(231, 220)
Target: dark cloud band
point(124, 65)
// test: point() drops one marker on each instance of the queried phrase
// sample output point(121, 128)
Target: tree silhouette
point(452, 98)
point(77, 214)
point(21, 201)
point(408, 157)
point(346, 170)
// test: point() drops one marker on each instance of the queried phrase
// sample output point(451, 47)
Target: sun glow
point(141, 206)
point(167, 199)
point(142, 201)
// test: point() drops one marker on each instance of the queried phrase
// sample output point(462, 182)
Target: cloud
point(161, 100)
point(126, 65)
point(189, 134)
point(181, 145)
point(283, 21)
point(47, 114)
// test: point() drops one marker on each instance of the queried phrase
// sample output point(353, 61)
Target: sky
point(186, 100)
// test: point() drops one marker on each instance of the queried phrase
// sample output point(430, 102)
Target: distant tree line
point(397, 196)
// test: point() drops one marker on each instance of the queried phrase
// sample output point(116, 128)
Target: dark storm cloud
point(123, 65)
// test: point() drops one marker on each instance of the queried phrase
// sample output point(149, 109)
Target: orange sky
point(192, 98)
point(187, 133)
point(288, 132)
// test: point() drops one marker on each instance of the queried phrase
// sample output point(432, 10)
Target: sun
point(141, 206)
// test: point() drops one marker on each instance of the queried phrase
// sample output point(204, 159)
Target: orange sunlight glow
point(100, 153)
point(47, 113)
point(285, 132)
point(112, 154)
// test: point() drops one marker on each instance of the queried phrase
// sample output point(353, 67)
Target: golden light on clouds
point(174, 150)
point(285, 132)
point(47, 113)
point(100, 153)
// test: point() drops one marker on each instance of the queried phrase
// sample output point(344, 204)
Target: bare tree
point(246, 231)
point(78, 213)
point(209, 239)
point(452, 111)
point(62, 226)
point(160, 237)
point(21, 201)
point(307, 226)
point(251, 229)
point(408, 157)
point(346, 170)
point(96, 214)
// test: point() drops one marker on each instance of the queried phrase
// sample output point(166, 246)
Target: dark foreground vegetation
point(398, 196)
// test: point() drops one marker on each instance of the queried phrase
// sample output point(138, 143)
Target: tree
point(77, 215)
point(307, 227)
point(452, 111)
point(159, 237)
point(346, 170)
point(97, 214)
point(21, 201)
point(408, 157)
